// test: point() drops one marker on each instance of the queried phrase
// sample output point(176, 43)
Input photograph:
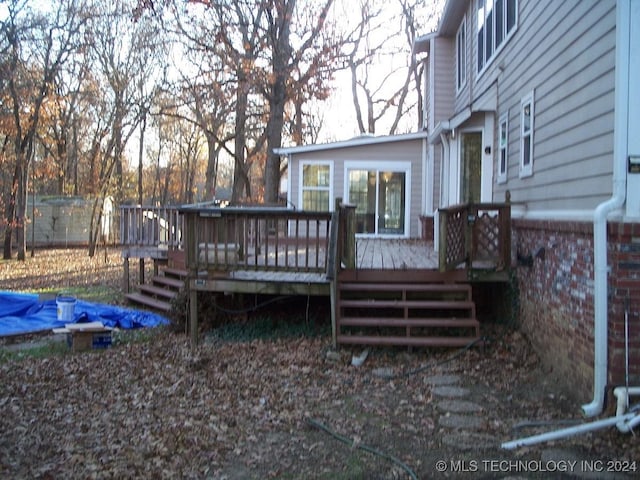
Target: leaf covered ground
point(278, 406)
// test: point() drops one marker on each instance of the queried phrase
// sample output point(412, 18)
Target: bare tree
point(385, 79)
point(124, 54)
point(37, 46)
point(308, 59)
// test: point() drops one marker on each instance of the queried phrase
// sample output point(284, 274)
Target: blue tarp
point(24, 313)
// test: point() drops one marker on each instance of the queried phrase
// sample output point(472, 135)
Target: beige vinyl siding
point(462, 98)
point(445, 78)
point(565, 53)
point(398, 151)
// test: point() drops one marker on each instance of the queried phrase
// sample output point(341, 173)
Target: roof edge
point(354, 142)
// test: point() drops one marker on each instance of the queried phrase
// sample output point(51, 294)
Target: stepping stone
point(461, 421)
point(450, 391)
point(442, 379)
point(463, 440)
point(459, 406)
point(383, 372)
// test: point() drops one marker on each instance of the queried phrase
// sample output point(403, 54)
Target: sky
point(339, 110)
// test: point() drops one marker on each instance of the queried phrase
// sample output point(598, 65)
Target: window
point(503, 148)
point(526, 135)
point(496, 21)
point(380, 192)
point(461, 55)
point(316, 186)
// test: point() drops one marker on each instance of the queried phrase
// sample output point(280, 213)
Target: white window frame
point(461, 55)
point(503, 147)
point(378, 166)
point(481, 13)
point(526, 169)
point(302, 188)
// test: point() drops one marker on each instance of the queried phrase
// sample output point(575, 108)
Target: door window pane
point(391, 198)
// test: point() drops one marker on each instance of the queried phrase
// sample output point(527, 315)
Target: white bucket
point(66, 305)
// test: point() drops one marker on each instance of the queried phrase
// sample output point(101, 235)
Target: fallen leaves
point(160, 409)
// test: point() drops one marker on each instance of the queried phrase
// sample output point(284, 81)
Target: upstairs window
point(496, 20)
point(503, 148)
point(461, 55)
point(526, 136)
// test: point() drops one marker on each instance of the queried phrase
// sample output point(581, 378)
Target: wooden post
point(442, 240)
point(191, 253)
point(469, 222)
point(141, 270)
point(193, 315)
point(126, 284)
point(333, 268)
point(350, 236)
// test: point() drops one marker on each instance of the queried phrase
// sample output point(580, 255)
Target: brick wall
point(555, 287)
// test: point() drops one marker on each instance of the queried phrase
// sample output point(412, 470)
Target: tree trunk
point(240, 174)
point(11, 215)
point(211, 176)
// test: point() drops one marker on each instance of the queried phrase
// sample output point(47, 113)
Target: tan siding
point(410, 150)
point(565, 52)
point(445, 71)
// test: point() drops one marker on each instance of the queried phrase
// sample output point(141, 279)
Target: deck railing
point(219, 239)
point(478, 235)
point(146, 226)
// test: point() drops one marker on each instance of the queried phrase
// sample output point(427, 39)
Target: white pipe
point(570, 431)
point(623, 394)
point(617, 200)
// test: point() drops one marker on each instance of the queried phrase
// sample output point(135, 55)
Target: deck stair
point(163, 288)
point(405, 313)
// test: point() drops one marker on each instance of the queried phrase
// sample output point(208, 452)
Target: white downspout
point(436, 217)
point(616, 202)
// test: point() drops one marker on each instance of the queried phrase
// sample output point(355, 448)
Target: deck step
point(172, 272)
point(410, 322)
point(410, 313)
point(148, 301)
point(411, 304)
point(443, 341)
point(162, 280)
point(155, 291)
point(407, 287)
point(163, 288)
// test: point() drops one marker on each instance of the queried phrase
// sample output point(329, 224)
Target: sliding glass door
point(380, 197)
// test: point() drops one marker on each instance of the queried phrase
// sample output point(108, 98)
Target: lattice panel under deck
point(487, 237)
point(455, 238)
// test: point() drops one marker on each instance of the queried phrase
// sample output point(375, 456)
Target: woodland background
point(174, 101)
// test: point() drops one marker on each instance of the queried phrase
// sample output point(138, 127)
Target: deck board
point(395, 254)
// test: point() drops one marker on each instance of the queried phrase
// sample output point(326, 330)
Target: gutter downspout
point(616, 202)
point(436, 216)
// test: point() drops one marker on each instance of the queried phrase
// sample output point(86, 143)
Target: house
point(537, 101)
point(530, 102)
point(383, 176)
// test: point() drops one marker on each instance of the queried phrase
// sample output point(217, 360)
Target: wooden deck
point(395, 254)
point(382, 290)
point(372, 254)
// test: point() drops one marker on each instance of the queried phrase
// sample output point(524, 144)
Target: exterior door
point(379, 197)
point(471, 167)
